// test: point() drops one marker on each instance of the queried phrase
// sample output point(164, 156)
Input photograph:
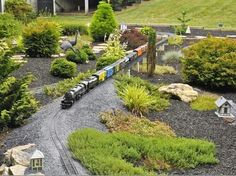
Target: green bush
point(71, 29)
point(71, 56)
point(103, 22)
point(21, 10)
point(204, 102)
point(41, 38)
point(172, 57)
point(128, 154)
point(175, 40)
point(79, 56)
point(211, 62)
point(63, 86)
point(145, 30)
point(88, 50)
point(9, 27)
point(63, 68)
point(160, 101)
point(105, 61)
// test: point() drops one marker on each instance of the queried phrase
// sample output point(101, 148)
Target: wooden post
point(128, 72)
point(86, 8)
point(54, 7)
point(2, 6)
point(138, 68)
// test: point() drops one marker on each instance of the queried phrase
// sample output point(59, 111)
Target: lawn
point(203, 13)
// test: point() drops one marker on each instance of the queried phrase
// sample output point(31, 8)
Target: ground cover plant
point(128, 154)
point(204, 102)
point(139, 95)
point(63, 86)
point(118, 121)
point(211, 62)
point(159, 69)
point(41, 38)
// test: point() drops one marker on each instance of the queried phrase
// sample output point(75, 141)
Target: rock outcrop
point(183, 91)
point(17, 170)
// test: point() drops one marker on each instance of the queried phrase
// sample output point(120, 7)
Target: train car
point(144, 48)
point(117, 66)
point(139, 51)
point(109, 71)
point(132, 56)
point(101, 75)
point(92, 82)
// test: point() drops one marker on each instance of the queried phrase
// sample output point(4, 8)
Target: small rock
point(2, 169)
point(61, 54)
point(6, 171)
point(17, 170)
point(20, 158)
point(183, 91)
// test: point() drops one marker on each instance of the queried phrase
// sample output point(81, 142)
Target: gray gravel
point(84, 114)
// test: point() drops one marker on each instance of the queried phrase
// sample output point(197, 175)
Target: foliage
point(145, 30)
point(63, 86)
point(159, 69)
point(9, 27)
point(171, 57)
point(21, 10)
point(118, 121)
point(211, 62)
point(71, 29)
point(151, 52)
point(79, 56)
point(16, 102)
point(113, 51)
point(179, 30)
point(41, 38)
point(175, 40)
point(128, 154)
point(133, 38)
point(159, 101)
point(88, 50)
point(103, 22)
point(204, 102)
point(63, 68)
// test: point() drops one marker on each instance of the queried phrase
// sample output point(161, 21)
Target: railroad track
point(64, 154)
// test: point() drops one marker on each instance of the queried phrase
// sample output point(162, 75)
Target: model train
point(100, 76)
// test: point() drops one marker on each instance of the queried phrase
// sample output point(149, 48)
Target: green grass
point(127, 154)
point(159, 69)
point(203, 13)
point(204, 102)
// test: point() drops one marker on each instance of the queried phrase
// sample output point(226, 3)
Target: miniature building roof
point(37, 154)
point(220, 101)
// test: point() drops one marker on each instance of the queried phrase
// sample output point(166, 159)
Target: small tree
point(103, 22)
point(183, 26)
point(151, 53)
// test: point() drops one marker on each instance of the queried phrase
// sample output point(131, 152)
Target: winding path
point(50, 124)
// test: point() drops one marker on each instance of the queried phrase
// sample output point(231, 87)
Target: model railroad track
point(65, 156)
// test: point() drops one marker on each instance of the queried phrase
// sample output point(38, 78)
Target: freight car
point(100, 76)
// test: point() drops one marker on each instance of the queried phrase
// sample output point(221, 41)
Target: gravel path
point(84, 114)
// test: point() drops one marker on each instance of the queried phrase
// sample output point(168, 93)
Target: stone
point(17, 170)
point(2, 169)
point(19, 157)
point(37, 174)
point(6, 171)
point(182, 91)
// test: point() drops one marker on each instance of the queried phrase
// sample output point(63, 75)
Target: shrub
point(172, 57)
point(211, 62)
point(9, 27)
point(145, 30)
point(21, 10)
point(63, 68)
point(118, 121)
point(128, 154)
point(41, 38)
point(71, 29)
point(160, 101)
point(63, 86)
point(175, 40)
point(133, 38)
point(104, 61)
point(103, 22)
point(159, 69)
point(204, 102)
point(88, 50)
point(181, 29)
point(79, 56)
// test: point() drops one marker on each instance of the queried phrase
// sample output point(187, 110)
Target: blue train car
point(110, 71)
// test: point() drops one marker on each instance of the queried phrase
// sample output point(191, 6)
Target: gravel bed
point(84, 114)
point(40, 68)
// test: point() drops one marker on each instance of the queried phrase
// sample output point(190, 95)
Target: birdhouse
point(36, 160)
point(225, 108)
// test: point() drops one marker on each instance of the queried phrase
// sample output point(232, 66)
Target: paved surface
point(84, 114)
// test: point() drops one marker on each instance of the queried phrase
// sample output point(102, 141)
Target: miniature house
point(225, 108)
point(36, 160)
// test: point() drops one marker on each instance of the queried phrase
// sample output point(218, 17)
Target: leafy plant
point(179, 30)
point(71, 29)
point(9, 27)
point(172, 57)
point(211, 62)
point(41, 38)
point(88, 50)
point(128, 154)
point(118, 121)
point(145, 30)
point(79, 56)
point(204, 102)
point(63, 68)
point(103, 22)
point(159, 69)
point(133, 38)
point(175, 40)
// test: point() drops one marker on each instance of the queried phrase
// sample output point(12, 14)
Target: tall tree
point(151, 52)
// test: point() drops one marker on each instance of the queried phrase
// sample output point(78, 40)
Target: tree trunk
point(151, 53)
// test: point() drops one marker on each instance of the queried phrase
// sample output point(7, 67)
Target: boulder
point(17, 170)
point(6, 171)
point(2, 169)
point(182, 91)
point(19, 157)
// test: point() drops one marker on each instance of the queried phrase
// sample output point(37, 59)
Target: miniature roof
point(220, 101)
point(37, 154)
